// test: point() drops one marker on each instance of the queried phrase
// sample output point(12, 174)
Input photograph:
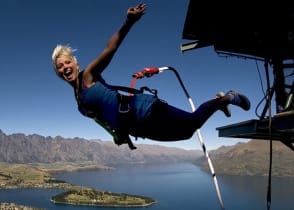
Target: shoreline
point(92, 197)
point(105, 205)
point(13, 206)
point(24, 176)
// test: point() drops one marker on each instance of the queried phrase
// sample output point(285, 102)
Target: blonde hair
point(62, 50)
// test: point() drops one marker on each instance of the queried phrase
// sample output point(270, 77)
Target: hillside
point(20, 148)
point(252, 158)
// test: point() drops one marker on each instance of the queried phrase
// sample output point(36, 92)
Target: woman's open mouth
point(68, 74)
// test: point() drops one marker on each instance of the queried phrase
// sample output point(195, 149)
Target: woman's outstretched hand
point(135, 13)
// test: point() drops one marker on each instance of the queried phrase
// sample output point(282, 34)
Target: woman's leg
point(205, 110)
point(168, 123)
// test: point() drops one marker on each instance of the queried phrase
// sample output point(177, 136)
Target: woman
point(138, 115)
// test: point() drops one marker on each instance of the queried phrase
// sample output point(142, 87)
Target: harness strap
point(124, 116)
point(118, 137)
point(126, 89)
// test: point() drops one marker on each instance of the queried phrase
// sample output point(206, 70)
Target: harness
point(125, 113)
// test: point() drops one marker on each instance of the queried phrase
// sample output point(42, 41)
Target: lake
point(173, 186)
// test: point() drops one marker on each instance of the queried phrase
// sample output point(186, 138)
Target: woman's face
point(67, 68)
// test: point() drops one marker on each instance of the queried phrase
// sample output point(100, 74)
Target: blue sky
point(35, 101)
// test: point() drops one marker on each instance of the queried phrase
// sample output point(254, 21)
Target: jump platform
point(264, 34)
point(282, 128)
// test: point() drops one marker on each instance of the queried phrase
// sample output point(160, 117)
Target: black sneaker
point(226, 109)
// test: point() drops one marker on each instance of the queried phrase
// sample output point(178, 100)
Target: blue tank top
point(101, 99)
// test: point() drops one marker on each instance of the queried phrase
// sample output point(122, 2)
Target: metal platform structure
point(281, 129)
point(254, 32)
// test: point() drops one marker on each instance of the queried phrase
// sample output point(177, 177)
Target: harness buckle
point(123, 108)
point(124, 105)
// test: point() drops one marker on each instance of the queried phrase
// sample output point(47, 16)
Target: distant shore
point(13, 176)
point(13, 206)
point(17, 176)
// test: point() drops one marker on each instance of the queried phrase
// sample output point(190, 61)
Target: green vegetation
point(28, 176)
point(89, 196)
point(13, 206)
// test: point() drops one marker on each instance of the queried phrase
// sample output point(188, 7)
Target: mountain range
point(251, 158)
point(20, 148)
